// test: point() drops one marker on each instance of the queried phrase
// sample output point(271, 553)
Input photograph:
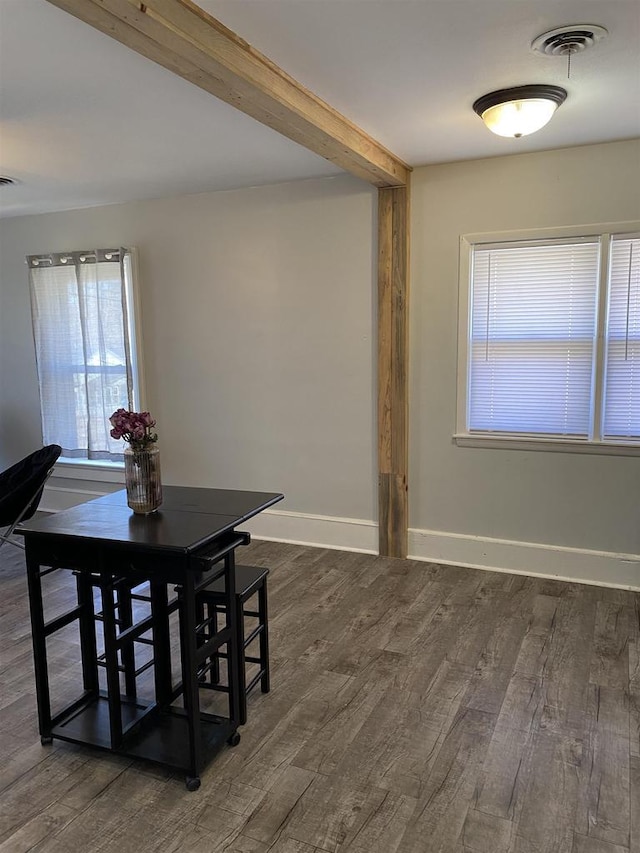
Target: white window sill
point(550, 445)
point(80, 469)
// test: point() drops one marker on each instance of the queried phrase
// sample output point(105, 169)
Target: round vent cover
point(5, 181)
point(565, 41)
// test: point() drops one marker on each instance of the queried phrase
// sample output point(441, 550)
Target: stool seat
point(249, 581)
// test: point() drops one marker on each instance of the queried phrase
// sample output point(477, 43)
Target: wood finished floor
point(415, 708)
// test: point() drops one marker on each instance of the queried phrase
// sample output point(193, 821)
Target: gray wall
point(582, 501)
point(257, 318)
point(258, 321)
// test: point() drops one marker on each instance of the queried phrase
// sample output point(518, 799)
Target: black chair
point(21, 488)
point(249, 581)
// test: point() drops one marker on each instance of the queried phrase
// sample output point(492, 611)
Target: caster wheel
point(234, 740)
point(192, 783)
point(45, 741)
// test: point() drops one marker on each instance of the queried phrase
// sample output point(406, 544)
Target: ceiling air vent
point(565, 41)
point(4, 181)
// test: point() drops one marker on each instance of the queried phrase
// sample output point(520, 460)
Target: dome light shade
point(519, 111)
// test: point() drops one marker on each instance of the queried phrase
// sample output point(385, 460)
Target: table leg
point(235, 659)
point(263, 615)
point(188, 653)
point(39, 640)
point(86, 624)
point(240, 687)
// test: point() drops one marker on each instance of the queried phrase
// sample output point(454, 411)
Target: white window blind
point(621, 419)
point(532, 336)
point(85, 349)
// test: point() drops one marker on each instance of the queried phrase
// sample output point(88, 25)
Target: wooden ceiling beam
point(183, 38)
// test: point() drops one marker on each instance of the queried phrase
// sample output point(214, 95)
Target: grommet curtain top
point(91, 256)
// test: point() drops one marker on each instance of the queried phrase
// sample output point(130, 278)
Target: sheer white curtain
point(81, 325)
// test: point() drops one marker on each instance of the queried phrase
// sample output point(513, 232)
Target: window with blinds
point(553, 347)
point(621, 416)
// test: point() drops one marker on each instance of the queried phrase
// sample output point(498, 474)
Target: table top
point(188, 519)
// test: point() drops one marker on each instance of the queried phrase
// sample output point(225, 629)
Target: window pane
point(532, 329)
point(622, 365)
point(82, 335)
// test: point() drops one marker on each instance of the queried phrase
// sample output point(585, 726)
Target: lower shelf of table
point(161, 737)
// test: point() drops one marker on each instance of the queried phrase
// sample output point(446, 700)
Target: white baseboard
point(602, 568)
point(322, 531)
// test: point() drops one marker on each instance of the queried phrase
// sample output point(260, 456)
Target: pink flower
point(134, 427)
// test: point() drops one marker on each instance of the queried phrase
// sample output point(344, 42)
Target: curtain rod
point(93, 256)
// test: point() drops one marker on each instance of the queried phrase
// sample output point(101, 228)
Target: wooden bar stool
point(250, 580)
point(121, 630)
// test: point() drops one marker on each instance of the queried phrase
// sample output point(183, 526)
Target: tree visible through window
point(553, 346)
point(82, 309)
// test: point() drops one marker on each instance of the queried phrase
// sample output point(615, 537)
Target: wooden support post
point(393, 293)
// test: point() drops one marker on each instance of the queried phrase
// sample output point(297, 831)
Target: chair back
point(22, 484)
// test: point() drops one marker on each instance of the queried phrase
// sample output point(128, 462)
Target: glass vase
point(142, 479)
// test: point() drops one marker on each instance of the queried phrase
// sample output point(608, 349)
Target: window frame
point(106, 470)
point(521, 441)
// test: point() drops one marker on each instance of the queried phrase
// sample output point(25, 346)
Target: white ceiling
point(85, 121)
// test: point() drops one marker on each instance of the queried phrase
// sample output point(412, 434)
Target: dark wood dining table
point(188, 542)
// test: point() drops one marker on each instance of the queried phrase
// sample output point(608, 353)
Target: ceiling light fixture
point(519, 111)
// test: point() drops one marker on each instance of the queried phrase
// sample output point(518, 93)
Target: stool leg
point(199, 612)
point(214, 672)
point(110, 630)
point(241, 670)
point(263, 614)
point(161, 642)
point(127, 652)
